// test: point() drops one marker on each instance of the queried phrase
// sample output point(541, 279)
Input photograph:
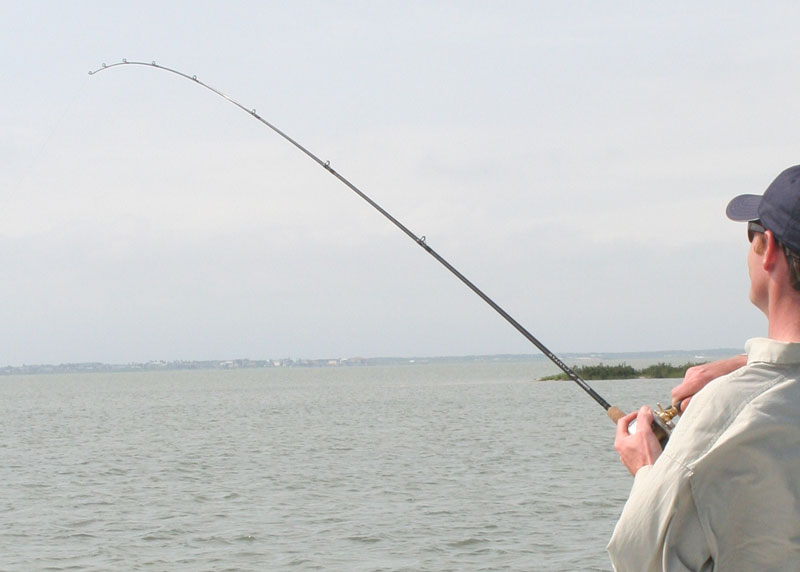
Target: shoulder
point(715, 410)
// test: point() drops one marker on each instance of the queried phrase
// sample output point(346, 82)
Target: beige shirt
point(725, 493)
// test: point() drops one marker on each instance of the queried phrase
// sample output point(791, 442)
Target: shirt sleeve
point(659, 528)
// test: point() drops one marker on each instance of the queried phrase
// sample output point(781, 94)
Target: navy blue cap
point(778, 208)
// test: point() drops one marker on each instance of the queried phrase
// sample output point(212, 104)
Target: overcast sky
point(573, 159)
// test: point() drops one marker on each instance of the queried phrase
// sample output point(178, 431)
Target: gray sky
point(573, 159)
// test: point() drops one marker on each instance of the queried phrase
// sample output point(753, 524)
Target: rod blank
point(613, 412)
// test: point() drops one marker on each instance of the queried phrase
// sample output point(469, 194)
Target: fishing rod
point(662, 424)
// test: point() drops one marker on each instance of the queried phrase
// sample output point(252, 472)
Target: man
point(724, 494)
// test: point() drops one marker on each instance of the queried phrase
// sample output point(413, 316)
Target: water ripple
point(425, 469)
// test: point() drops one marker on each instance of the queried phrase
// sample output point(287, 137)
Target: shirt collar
point(772, 351)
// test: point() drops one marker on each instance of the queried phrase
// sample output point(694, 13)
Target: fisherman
point(724, 494)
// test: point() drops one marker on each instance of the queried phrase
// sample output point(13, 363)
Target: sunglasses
point(753, 227)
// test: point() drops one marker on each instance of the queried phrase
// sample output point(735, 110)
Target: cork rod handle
point(615, 413)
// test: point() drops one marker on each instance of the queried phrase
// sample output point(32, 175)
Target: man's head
point(777, 210)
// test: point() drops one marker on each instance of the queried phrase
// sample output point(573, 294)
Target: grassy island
point(624, 371)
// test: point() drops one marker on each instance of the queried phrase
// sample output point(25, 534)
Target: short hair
point(793, 260)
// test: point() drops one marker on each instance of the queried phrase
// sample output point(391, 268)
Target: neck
point(784, 317)
point(773, 292)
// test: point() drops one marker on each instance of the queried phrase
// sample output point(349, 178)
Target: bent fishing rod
point(662, 418)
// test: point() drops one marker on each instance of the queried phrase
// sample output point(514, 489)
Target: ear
point(772, 251)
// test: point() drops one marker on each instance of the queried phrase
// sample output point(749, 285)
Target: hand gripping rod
point(613, 412)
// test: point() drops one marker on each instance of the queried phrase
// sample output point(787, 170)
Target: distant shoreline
point(668, 356)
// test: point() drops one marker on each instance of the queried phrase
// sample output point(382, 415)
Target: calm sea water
point(415, 468)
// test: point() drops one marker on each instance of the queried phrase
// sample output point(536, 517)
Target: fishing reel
point(663, 423)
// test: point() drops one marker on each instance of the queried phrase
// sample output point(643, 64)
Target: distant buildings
point(96, 367)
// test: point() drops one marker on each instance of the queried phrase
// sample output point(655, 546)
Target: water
point(416, 468)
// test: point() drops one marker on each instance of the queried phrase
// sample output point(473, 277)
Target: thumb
point(645, 416)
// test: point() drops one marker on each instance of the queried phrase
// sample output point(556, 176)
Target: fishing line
point(613, 412)
point(33, 165)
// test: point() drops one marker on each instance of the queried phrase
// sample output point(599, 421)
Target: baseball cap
point(778, 208)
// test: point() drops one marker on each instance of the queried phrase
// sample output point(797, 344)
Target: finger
point(679, 392)
point(684, 403)
point(627, 419)
point(622, 424)
point(644, 419)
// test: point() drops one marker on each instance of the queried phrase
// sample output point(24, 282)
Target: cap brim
point(744, 207)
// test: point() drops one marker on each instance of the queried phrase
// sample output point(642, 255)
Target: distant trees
point(660, 370)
